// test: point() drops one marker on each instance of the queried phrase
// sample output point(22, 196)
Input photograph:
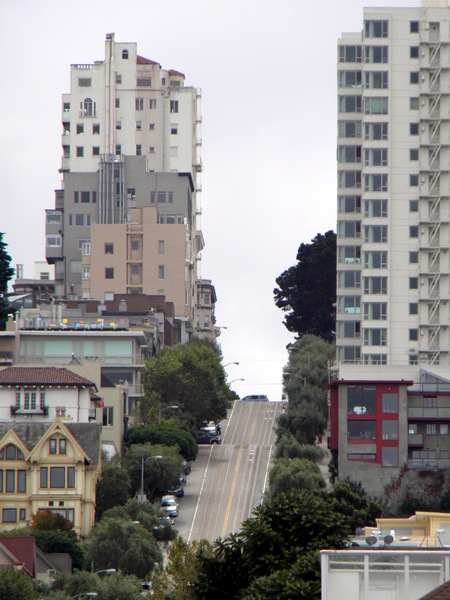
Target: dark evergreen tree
point(6, 273)
point(307, 291)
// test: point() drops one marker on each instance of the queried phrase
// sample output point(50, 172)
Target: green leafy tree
point(106, 587)
point(288, 447)
point(165, 434)
point(125, 546)
point(6, 274)
point(191, 377)
point(307, 291)
point(162, 468)
point(276, 550)
point(353, 502)
point(113, 488)
point(54, 533)
point(294, 473)
point(15, 585)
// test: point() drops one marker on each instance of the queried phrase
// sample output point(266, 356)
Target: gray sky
point(268, 73)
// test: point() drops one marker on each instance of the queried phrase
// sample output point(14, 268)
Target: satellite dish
point(358, 531)
point(371, 540)
point(388, 539)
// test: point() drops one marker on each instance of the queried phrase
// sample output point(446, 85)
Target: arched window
point(11, 452)
point(125, 54)
point(88, 106)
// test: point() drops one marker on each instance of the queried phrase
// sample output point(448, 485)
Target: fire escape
point(435, 149)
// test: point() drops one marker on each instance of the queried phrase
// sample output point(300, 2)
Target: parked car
point(207, 438)
point(209, 427)
point(176, 491)
point(255, 398)
point(169, 505)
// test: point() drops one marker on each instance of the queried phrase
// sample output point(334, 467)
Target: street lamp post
point(297, 377)
point(163, 409)
point(240, 379)
point(105, 571)
point(230, 363)
point(85, 595)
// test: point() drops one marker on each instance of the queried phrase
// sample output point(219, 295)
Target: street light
point(297, 376)
point(230, 363)
point(144, 460)
point(240, 379)
point(85, 595)
point(163, 409)
point(106, 571)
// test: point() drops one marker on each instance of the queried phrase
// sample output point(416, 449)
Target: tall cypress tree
point(6, 273)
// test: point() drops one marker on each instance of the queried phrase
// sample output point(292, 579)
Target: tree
point(165, 434)
point(15, 585)
point(276, 551)
point(54, 533)
point(294, 473)
point(125, 546)
point(307, 291)
point(6, 273)
point(115, 586)
point(161, 469)
point(113, 489)
point(191, 377)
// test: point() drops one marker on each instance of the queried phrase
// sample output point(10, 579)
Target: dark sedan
point(207, 438)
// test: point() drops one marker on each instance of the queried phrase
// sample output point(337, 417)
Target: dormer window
point(11, 452)
point(125, 54)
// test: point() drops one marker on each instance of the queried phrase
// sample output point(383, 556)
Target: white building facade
point(393, 188)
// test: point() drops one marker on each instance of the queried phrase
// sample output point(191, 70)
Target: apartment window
point(414, 103)
point(431, 429)
point(174, 106)
point(70, 477)
point(95, 150)
point(348, 329)
point(151, 126)
point(108, 416)
point(376, 28)
point(375, 131)
point(376, 182)
point(376, 106)
point(62, 446)
point(161, 247)
point(389, 456)
point(376, 54)
point(414, 26)
point(349, 179)
point(84, 82)
point(118, 125)
point(362, 430)
point(349, 79)
point(85, 197)
point(413, 206)
point(118, 78)
point(413, 180)
point(53, 241)
point(151, 150)
point(52, 446)
point(118, 149)
point(375, 337)
point(153, 105)
point(161, 272)
point(44, 477)
point(414, 154)
point(413, 283)
point(57, 477)
point(170, 197)
point(389, 430)
point(413, 231)
point(21, 481)
point(413, 257)
point(350, 104)
point(375, 285)
point(413, 308)
point(443, 429)
point(22, 514)
point(9, 515)
point(375, 208)
point(117, 102)
point(349, 229)
point(80, 151)
point(349, 154)
point(135, 245)
point(109, 248)
point(375, 157)
point(350, 129)
point(349, 204)
point(125, 54)
point(389, 403)
point(109, 273)
point(174, 129)
point(66, 107)
point(375, 234)
point(86, 272)
point(350, 54)
point(10, 482)
point(152, 197)
point(349, 354)
point(349, 279)
point(138, 149)
point(414, 128)
point(414, 77)
point(413, 335)
point(80, 128)
point(138, 125)
point(376, 80)
point(350, 305)
point(79, 220)
point(361, 399)
point(139, 103)
point(96, 129)
point(161, 196)
point(375, 259)
point(414, 52)
point(349, 254)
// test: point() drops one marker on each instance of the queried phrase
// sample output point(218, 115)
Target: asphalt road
point(227, 481)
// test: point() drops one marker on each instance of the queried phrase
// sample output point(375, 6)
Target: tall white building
point(393, 188)
point(131, 132)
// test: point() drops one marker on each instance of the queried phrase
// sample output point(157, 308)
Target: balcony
point(6, 358)
point(428, 463)
point(415, 439)
point(421, 412)
point(19, 410)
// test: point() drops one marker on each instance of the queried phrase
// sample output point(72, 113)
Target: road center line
point(200, 493)
point(233, 485)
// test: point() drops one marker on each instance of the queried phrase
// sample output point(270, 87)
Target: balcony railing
point(429, 463)
point(20, 410)
point(415, 439)
point(61, 359)
point(421, 412)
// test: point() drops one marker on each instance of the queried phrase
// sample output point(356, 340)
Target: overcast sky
point(267, 70)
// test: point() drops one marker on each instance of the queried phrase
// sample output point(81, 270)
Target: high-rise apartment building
point(390, 402)
point(131, 139)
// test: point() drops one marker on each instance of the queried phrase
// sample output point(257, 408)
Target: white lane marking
point(200, 494)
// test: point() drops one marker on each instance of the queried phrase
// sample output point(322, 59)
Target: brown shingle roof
point(145, 61)
point(440, 593)
point(22, 548)
point(42, 376)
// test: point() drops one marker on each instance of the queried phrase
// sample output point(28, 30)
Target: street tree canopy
point(191, 377)
point(307, 291)
point(166, 434)
point(113, 488)
point(6, 274)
